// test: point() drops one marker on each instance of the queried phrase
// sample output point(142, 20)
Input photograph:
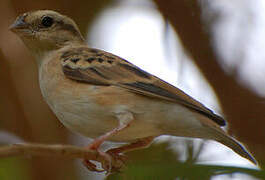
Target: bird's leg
point(119, 158)
point(140, 143)
point(95, 146)
point(125, 119)
point(98, 141)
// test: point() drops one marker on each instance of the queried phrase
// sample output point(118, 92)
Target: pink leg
point(140, 143)
point(96, 144)
point(98, 141)
point(117, 156)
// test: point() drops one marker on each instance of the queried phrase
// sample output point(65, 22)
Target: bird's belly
point(85, 119)
point(98, 120)
point(81, 113)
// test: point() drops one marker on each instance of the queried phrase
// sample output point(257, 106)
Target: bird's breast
point(73, 102)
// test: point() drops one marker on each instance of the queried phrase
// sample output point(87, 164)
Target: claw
point(107, 163)
point(113, 159)
point(117, 155)
point(91, 166)
point(117, 160)
point(113, 162)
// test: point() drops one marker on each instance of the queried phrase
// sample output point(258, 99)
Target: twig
point(111, 165)
point(49, 150)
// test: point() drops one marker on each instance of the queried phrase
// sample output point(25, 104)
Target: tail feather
point(228, 141)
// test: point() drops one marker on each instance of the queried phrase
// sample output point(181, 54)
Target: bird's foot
point(91, 166)
point(117, 161)
point(111, 161)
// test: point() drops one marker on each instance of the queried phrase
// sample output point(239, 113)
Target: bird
point(105, 97)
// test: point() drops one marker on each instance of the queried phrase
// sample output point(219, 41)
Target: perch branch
point(67, 151)
point(49, 150)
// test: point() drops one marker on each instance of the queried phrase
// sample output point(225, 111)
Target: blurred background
point(211, 49)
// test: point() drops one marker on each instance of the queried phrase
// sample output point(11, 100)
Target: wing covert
point(98, 67)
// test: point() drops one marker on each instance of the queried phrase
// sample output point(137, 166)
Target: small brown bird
point(103, 96)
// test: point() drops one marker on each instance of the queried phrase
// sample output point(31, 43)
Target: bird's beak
point(19, 24)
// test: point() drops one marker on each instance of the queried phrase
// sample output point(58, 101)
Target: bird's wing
point(98, 67)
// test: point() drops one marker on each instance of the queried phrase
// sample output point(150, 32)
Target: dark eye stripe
point(68, 27)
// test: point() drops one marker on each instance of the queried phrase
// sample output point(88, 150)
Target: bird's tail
point(222, 137)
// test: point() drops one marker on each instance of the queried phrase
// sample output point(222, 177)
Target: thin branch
point(49, 150)
point(108, 163)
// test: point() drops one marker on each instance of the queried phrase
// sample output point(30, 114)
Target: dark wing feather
point(101, 68)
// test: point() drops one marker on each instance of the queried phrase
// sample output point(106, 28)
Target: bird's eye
point(47, 21)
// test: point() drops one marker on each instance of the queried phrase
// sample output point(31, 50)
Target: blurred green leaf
point(160, 162)
point(14, 169)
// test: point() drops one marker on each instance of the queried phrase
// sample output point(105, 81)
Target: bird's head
point(44, 30)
